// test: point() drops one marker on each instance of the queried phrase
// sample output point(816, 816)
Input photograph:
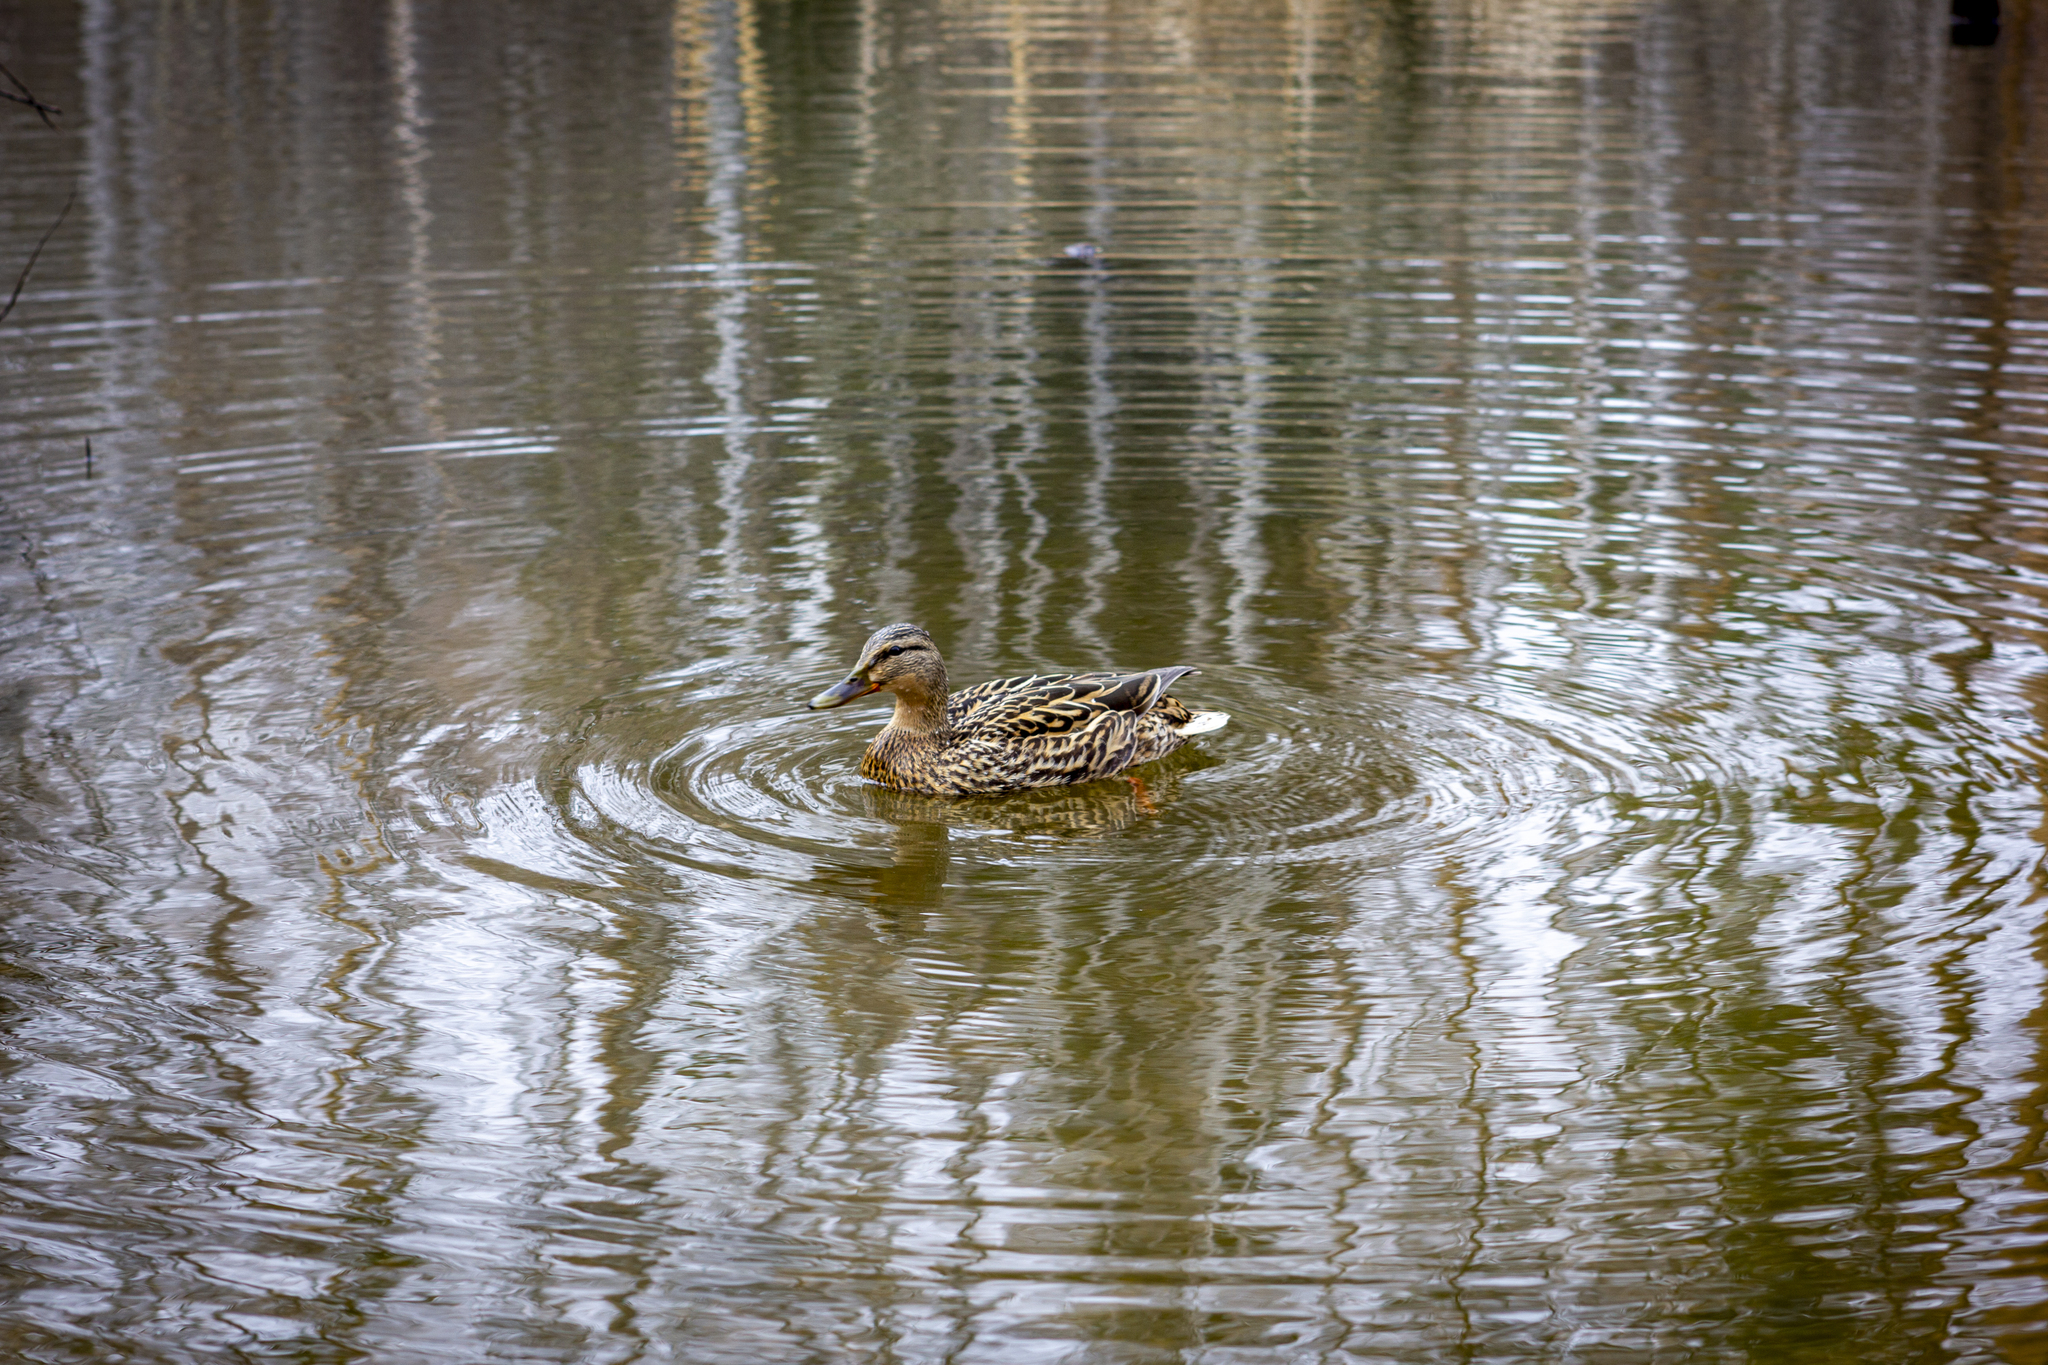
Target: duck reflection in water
point(1058, 812)
point(1010, 734)
point(915, 880)
point(921, 843)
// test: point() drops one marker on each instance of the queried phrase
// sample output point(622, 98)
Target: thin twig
point(88, 457)
point(43, 109)
point(47, 235)
point(28, 97)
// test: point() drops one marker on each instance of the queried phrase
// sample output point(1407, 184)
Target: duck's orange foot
point(1145, 805)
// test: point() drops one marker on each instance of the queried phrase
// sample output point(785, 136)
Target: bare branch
point(28, 97)
point(48, 233)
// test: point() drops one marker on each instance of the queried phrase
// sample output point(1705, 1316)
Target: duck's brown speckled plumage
point(1012, 733)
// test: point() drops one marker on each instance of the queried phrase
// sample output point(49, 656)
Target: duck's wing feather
point(1054, 729)
point(1055, 704)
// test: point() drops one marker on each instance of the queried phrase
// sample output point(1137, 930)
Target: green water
point(1597, 454)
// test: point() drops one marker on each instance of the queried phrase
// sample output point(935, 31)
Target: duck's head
point(900, 659)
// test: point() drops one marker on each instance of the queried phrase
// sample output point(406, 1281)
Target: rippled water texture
point(1597, 452)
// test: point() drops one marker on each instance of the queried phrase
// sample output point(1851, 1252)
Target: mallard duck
point(1012, 733)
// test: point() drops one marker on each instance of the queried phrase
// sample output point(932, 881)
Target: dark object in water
point(1972, 23)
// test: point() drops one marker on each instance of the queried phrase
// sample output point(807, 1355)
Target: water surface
point(1598, 454)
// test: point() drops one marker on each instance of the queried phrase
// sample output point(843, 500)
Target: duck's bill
point(842, 694)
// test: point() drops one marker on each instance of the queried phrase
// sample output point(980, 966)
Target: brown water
point(1597, 452)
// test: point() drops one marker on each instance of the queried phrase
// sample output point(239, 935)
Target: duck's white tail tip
point(1202, 722)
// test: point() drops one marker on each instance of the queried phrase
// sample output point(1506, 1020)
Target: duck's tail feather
point(1140, 692)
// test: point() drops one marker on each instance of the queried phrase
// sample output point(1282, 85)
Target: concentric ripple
point(706, 778)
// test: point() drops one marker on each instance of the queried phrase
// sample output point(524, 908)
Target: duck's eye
point(894, 650)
